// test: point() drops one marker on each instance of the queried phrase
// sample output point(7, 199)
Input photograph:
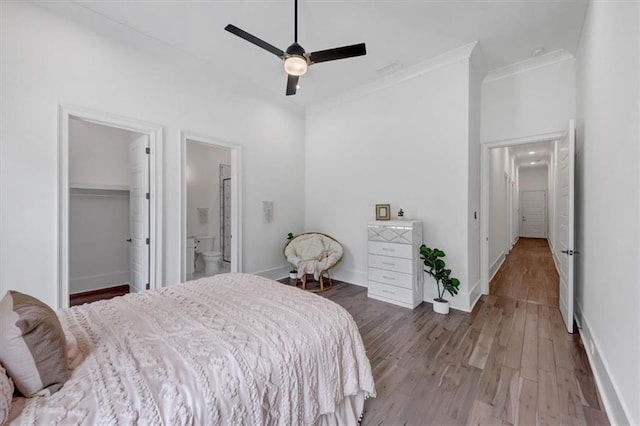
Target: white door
point(139, 213)
point(534, 214)
point(566, 182)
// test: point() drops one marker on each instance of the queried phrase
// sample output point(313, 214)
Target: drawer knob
point(388, 291)
point(389, 263)
point(388, 249)
point(388, 278)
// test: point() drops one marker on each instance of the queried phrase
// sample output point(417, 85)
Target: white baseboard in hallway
point(616, 411)
point(495, 266)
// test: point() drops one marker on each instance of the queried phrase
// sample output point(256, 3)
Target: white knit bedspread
point(234, 349)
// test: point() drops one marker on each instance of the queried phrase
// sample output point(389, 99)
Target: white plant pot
point(293, 275)
point(440, 307)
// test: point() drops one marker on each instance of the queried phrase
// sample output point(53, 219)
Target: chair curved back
point(313, 252)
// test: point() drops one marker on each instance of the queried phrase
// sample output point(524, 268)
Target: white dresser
point(395, 268)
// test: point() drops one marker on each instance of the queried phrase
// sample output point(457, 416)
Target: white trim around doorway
point(236, 199)
point(155, 133)
point(484, 194)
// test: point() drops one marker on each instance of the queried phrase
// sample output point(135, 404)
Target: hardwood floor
point(100, 294)
point(510, 361)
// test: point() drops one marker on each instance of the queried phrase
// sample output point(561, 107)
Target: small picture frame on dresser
point(383, 212)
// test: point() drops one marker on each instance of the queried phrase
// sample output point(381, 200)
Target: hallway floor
point(510, 361)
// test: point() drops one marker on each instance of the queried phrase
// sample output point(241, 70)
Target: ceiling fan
point(296, 59)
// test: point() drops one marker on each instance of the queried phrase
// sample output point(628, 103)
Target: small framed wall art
point(383, 212)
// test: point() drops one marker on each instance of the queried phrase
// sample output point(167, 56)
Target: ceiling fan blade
point(338, 53)
point(255, 40)
point(292, 84)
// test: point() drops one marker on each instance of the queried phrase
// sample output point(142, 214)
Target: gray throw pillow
point(33, 348)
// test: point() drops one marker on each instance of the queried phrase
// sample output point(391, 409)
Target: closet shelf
point(97, 186)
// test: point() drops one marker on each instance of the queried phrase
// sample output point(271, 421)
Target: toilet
point(205, 248)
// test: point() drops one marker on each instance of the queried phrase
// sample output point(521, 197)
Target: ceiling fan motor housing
point(295, 50)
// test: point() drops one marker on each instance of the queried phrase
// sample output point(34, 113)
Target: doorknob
point(128, 240)
point(523, 219)
point(569, 252)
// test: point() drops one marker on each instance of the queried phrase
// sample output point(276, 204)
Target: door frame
point(155, 133)
point(484, 194)
point(236, 199)
point(507, 204)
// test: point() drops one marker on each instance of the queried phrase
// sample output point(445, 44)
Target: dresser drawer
point(389, 263)
point(391, 292)
point(391, 249)
point(399, 233)
point(390, 277)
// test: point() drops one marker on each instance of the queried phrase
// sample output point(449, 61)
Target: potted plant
point(436, 267)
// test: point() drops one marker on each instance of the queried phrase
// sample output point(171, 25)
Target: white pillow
point(6, 395)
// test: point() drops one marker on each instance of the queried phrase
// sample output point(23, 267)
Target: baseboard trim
point(98, 281)
point(274, 273)
point(495, 266)
point(554, 255)
point(615, 408)
point(351, 277)
point(98, 294)
point(474, 295)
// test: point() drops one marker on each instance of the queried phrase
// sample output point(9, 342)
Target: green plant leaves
point(436, 268)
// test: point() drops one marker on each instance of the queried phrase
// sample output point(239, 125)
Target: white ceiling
point(541, 154)
point(398, 34)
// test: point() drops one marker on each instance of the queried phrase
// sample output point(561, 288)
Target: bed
point(229, 349)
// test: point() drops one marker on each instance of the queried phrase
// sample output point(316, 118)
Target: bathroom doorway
point(210, 210)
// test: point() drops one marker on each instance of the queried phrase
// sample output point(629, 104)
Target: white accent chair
point(314, 253)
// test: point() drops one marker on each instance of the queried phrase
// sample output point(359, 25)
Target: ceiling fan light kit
point(296, 60)
point(295, 65)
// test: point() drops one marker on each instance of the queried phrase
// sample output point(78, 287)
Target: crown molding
point(528, 65)
point(451, 57)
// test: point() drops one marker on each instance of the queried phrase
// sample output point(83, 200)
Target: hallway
point(509, 361)
point(528, 274)
point(540, 355)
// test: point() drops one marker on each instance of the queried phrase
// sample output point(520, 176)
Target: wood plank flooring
point(510, 361)
point(99, 294)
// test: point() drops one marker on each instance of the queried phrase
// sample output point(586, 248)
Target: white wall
point(534, 178)
point(515, 198)
point(98, 154)
point(46, 60)
point(553, 213)
point(536, 99)
point(98, 230)
point(499, 161)
point(607, 205)
point(406, 144)
point(203, 188)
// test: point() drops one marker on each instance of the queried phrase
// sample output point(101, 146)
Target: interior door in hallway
point(566, 185)
point(534, 214)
